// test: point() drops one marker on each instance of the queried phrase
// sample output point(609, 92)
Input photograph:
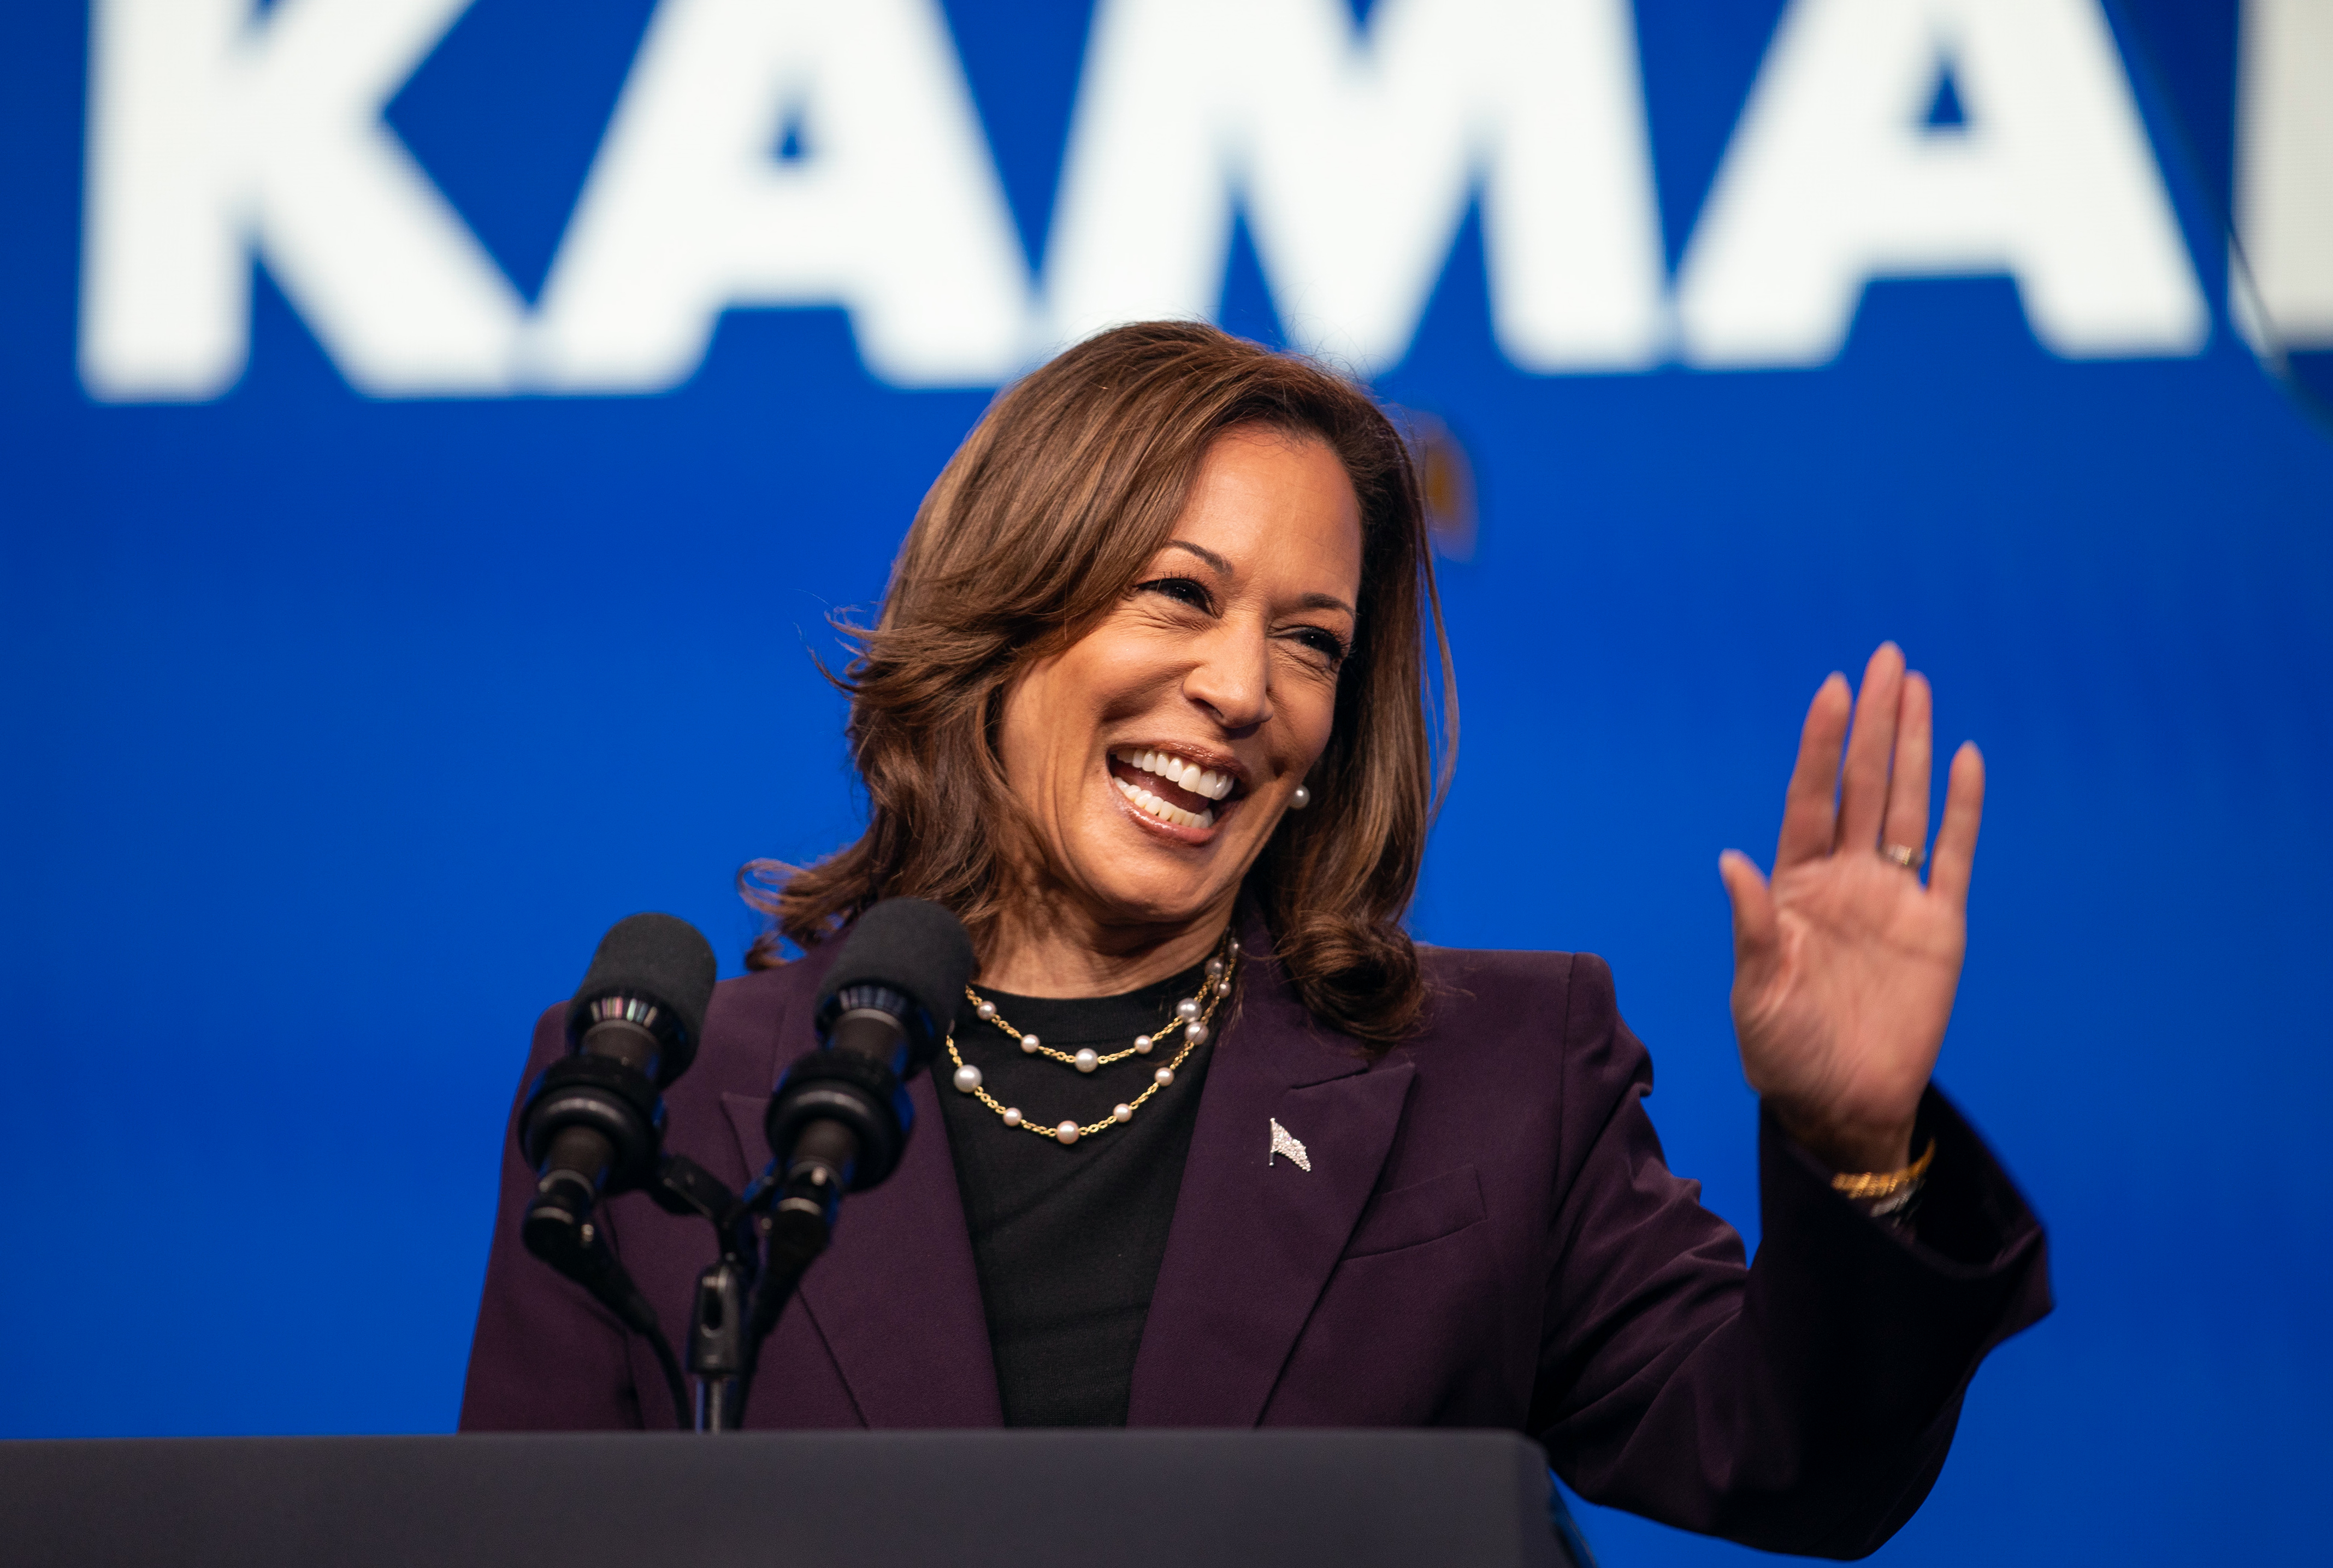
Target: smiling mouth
point(1171, 790)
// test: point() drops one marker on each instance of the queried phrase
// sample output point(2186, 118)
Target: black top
point(1068, 1238)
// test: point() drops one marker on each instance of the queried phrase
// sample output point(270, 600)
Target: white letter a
point(1831, 180)
point(892, 209)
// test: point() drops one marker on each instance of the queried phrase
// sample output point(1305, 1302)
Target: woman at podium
point(1214, 1143)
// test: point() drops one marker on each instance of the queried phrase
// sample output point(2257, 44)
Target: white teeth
point(1198, 780)
point(1161, 809)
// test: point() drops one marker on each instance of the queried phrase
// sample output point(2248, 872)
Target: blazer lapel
point(897, 1296)
point(1254, 1237)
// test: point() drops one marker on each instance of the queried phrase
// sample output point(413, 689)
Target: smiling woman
point(1218, 1145)
point(1166, 549)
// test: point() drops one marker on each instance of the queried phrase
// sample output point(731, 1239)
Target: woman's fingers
point(1808, 810)
point(1863, 781)
point(1755, 928)
point(1907, 821)
point(1956, 853)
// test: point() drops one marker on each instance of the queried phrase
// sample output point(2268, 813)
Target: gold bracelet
point(1871, 1184)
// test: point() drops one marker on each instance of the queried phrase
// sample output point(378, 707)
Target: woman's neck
point(1061, 951)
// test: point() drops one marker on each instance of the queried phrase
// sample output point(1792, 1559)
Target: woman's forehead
point(1279, 505)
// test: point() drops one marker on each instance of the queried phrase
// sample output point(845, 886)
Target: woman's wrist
point(1848, 1148)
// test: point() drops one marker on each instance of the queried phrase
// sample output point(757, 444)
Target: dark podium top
point(850, 1499)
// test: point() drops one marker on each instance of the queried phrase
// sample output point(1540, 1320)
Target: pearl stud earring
point(1301, 798)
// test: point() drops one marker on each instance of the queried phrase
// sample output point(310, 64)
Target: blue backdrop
point(338, 725)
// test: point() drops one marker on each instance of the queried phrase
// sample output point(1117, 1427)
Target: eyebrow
point(1310, 601)
point(1205, 554)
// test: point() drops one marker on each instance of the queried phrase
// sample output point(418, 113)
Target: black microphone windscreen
point(660, 958)
point(911, 945)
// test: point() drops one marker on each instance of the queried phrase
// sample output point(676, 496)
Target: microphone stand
point(720, 1354)
point(768, 1237)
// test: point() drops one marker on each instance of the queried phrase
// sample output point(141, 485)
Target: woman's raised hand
point(1845, 964)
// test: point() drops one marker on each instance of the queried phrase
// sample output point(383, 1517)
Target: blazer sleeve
point(545, 1356)
point(1802, 1403)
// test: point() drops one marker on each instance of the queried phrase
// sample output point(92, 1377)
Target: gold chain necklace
point(1192, 1014)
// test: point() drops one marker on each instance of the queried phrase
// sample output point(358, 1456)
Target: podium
point(1014, 1499)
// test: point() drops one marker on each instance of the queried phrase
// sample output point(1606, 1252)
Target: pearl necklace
point(1192, 1014)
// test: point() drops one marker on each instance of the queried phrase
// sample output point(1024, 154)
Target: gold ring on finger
point(1910, 857)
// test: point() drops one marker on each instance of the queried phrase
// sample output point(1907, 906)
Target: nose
point(1230, 675)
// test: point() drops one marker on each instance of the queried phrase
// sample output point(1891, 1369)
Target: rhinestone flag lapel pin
point(1282, 1144)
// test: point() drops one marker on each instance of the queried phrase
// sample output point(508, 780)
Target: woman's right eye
point(1194, 594)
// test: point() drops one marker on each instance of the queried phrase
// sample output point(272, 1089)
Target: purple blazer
point(1488, 1236)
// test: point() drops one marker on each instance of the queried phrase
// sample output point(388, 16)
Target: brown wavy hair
point(1042, 523)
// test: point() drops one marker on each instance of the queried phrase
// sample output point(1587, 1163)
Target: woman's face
point(1155, 754)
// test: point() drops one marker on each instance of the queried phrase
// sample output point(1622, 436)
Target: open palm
point(1845, 963)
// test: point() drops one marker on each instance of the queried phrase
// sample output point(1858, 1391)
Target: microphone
point(593, 1121)
point(840, 1118)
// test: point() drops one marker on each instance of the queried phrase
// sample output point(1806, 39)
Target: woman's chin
point(1160, 910)
point(1145, 877)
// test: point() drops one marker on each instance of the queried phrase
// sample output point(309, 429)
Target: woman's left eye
point(1327, 643)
